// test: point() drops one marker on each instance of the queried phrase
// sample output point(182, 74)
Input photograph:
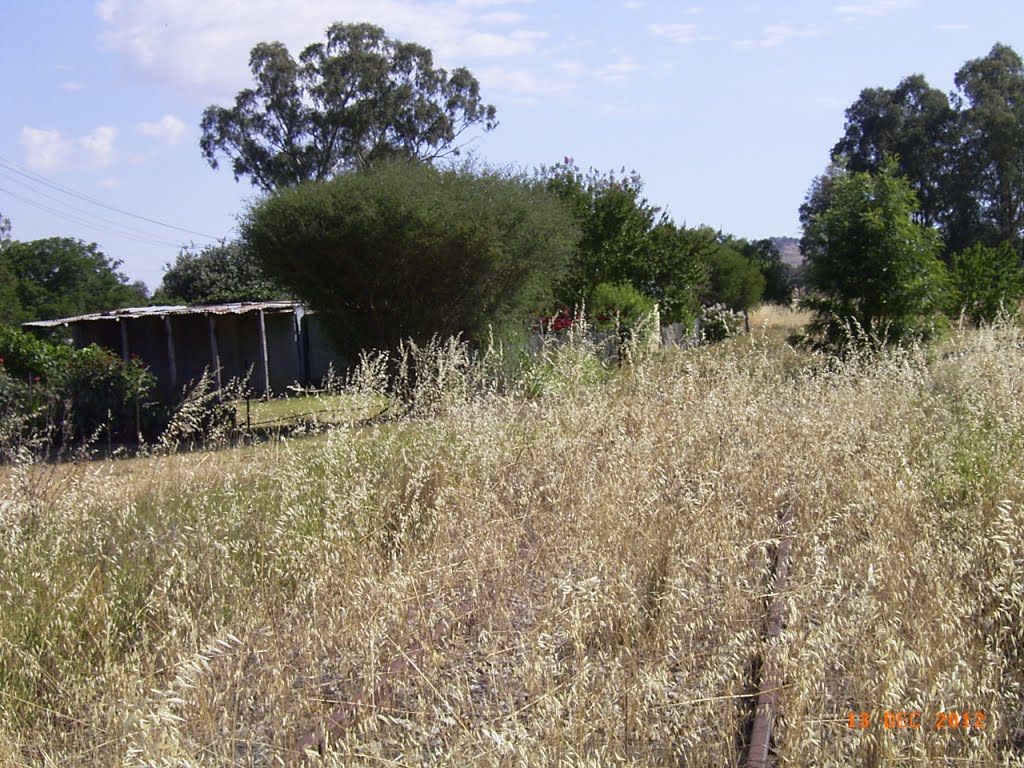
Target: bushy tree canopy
point(993, 87)
point(61, 276)
point(215, 274)
point(404, 250)
point(625, 239)
point(346, 103)
point(734, 280)
point(869, 261)
point(778, 276)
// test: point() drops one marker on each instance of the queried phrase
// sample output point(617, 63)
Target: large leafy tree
point(963, 154)
point(870, 262)
point(62, 276)
point(993, 87)
point(625, 239)
point(404, 250)
point(917, 125)
point(344, 104)
point(217, 273)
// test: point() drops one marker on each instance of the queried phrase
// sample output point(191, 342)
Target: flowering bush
point(104, 392)
point(68, 395)
point(561, 320)
point(24, 357)
point(719, 323)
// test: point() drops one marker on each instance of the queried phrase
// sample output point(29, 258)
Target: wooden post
point(124, 338)
point(214, 351)
point(171, 365)
point(301, 346)
point(263, 354)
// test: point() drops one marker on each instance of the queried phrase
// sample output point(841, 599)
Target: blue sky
point(727, 110)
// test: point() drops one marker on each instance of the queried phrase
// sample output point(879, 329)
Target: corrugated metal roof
point(236, 308)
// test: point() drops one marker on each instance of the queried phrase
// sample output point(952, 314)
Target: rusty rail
point(766, 708)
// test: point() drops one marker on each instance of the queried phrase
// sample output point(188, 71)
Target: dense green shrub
point(105, 393)
point(987, 282)
point(406, 251)
point(734, 280)
point(628, 316)
point(13, 397)
point(872, 268)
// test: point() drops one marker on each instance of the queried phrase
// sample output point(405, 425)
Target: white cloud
point(853, 11)
point(488, 3)
point(202, 46)
point(620, 71)
point(72, 85)
point(110, 182)
point(52, 151)
point(45, 150)
point(632, 5)
point(776, 34)
point(521, 82)
point(570, 68)
point(98, 146)
point(677, 33)
point(952, 27)
point(167, 129)
point(502, 17)
point(486, 44)
point(107, 9)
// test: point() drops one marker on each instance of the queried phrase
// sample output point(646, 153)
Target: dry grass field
point(577, 578)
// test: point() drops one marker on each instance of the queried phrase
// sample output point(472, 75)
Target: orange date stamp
point(916, 720)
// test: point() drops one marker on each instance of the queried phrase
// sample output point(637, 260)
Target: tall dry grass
point(573, 579)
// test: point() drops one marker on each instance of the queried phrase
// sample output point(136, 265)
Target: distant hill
point(789, 249)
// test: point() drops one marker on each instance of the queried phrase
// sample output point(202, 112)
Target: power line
point(15, 168)
point(84, 222)
point(119, 228)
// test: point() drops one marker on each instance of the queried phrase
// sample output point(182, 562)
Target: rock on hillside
point(789, 249)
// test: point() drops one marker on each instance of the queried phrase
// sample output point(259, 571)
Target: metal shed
point(279, 340)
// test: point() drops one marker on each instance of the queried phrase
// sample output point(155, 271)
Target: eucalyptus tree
point(343, 104)
point(919, 127)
